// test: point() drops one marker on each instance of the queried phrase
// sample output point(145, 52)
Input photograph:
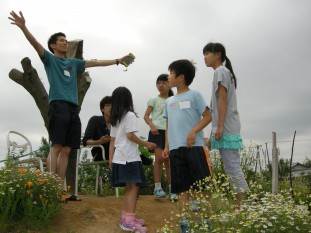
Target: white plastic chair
point(96, 163)
point(28, 158)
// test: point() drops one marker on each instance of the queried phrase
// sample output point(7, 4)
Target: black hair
point(164, 77)
point(122, 102)
point(53, 39)
point(104, 101)
point(219, 48)
point(183, 67)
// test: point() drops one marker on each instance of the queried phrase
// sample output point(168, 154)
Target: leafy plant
point(261, 212)
point(27, 197)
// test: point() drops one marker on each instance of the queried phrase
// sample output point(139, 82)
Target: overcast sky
point(267, 41)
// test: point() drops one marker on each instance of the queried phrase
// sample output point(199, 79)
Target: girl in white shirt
point(124, 159)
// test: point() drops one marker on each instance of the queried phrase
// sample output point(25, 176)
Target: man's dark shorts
point(64, 124)
point(188, 165)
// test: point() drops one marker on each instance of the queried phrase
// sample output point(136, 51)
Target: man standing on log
point(64, 122)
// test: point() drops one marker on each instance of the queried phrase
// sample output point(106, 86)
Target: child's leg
point(130, 198)
point(128, 221)
point(157, 172)
point(171, 196)
point(232, 166)
point(130, 204)
point(168, 171)
point(157, 165)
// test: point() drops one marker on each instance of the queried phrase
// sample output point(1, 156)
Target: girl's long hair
point(122, 102)
point(219, 48)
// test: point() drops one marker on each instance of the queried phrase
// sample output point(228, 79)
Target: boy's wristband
point(117, 62)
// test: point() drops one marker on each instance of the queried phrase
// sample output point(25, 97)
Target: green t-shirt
point(62, 75)
point(157, 103)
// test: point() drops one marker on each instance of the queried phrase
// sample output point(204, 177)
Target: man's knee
point(55, 149)
point(65, 151)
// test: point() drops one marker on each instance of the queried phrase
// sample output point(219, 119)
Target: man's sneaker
point(159, 193)
point(64, 197)
point(132, 227)
point(184, 224)
point(194, 206)
point(172, 197)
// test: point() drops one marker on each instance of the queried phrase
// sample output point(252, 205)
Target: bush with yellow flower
point(27, 197)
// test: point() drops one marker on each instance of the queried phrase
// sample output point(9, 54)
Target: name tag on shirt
point(66, 73)
point(184, 104)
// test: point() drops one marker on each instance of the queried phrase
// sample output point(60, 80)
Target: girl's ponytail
point(229, 66)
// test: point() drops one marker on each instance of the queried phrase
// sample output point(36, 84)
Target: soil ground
point(101, 214)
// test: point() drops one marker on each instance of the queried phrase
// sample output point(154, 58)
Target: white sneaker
point(173, 196)
point(159, 193)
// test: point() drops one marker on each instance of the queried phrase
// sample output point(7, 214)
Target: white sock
point(169, 188)
point(157, 185)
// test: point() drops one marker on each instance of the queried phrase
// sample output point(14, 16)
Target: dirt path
point(101, 214)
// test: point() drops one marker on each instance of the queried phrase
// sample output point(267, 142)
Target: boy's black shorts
point(64, 124)
point(188, 165)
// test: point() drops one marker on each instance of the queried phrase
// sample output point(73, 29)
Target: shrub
point(27, 197)
point(261, 212)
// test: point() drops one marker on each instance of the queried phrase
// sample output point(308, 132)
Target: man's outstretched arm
point(93, 63)
point(20, 21)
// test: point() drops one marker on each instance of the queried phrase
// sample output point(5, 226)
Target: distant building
point(299, 169)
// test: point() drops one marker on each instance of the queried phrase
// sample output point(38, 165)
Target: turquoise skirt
point(228, 141)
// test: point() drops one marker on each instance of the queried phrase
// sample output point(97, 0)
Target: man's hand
point(122, 59)
point(104, 139)
point(17, 20)
point(20, 22)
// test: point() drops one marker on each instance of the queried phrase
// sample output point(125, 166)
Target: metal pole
point(275, 163)
point(77, 172)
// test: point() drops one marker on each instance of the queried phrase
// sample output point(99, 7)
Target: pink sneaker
point(132, 227)
point(136, 220)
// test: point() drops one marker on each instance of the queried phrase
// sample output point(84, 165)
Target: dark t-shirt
point(96, 128)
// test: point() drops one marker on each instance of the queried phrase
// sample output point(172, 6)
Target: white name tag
point(184, 104)
point(66, 73)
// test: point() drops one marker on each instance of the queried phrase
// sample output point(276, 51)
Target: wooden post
point(275, 163)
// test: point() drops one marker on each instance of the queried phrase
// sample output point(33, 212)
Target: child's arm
point(132, 137)
point(111, 151)
point(20, 22)
point(208, 141)
point(166, 151)
point(149, 122)
point(222, 110)
point(205, 120)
